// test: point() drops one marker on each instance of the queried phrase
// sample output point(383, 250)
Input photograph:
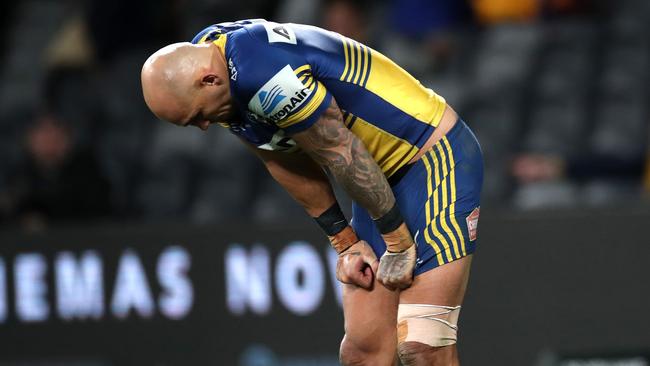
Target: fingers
point(375, 265)
point(368, 255)
point(396, 269)
point(393, 282)
point(363, 279)
point(361, 274)
point(358, 266)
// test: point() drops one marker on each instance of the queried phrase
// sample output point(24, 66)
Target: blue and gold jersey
point(283, 76)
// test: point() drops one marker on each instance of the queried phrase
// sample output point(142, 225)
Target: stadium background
point(124, 240)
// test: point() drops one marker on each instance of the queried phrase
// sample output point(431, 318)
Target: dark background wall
point(569, 282)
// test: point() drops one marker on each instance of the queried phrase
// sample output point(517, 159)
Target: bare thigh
point(444, 285)
point(371, 320)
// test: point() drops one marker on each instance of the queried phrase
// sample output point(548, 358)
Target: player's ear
point(211, 79)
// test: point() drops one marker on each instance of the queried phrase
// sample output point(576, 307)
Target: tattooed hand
point(357, 265)
point(396, 269)
point(397, 264)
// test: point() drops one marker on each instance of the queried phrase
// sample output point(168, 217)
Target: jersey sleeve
point(276, 82)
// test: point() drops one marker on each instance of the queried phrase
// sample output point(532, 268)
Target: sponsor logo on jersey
point(233, 69)
point(271, 98)
point(472, 223)
point(279, 142)
point(255, 118)
point(294, 102)
point(279, 33)
point(280, 96)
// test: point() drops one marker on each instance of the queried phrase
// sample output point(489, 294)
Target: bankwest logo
point(280, 96)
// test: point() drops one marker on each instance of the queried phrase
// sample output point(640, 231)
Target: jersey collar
point(220, 42)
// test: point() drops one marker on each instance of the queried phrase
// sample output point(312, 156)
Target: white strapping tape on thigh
point(435, 325)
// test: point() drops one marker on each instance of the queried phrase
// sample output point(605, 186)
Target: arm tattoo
point(333, 146)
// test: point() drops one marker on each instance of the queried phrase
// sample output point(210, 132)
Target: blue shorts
point(439, 197)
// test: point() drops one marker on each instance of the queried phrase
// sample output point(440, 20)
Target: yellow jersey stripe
point(347, 119)
point(305, 78)
point(313, 85)
point(353, 63)
point(364, 72)
point(310, 84)
point(359, 63)
point(352, 120)
point(452, 207)
point(436, 207)
point(301, 69)
point(347, 59)
point(367, 73)
point(220, 42)
point(427, 211)
point(445, 200)
point(390, 152)
point(313, 104)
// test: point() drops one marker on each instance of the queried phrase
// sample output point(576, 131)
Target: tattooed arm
point(333, 146)
point(307, 183)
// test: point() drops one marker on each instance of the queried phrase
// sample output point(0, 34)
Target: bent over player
point(308, 100)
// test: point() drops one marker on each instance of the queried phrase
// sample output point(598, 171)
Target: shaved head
point(174, 81)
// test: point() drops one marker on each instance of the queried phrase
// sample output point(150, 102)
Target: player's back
point(388, 109)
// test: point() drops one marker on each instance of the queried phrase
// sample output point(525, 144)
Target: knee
point(415, 354)
point(354, 354)
point(350, 354)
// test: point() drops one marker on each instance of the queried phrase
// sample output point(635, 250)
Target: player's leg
point(445, 227)
point(370, 321)
point(442, 289)
point(370, 316)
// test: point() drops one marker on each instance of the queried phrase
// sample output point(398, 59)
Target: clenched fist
point(357, 265)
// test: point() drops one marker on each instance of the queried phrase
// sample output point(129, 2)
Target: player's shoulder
point(243, 32)
point(261, 67)
point(232, 29)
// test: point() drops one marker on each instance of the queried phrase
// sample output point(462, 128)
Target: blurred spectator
point(419, 19)
point(346, 17)
point(499, 11)
point(56, 181)
point(530, 168)
point(424, 36)
point(298, 11)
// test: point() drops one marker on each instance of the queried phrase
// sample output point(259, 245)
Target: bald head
point(173, 79)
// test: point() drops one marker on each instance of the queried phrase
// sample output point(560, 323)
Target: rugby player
point(307, 101)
